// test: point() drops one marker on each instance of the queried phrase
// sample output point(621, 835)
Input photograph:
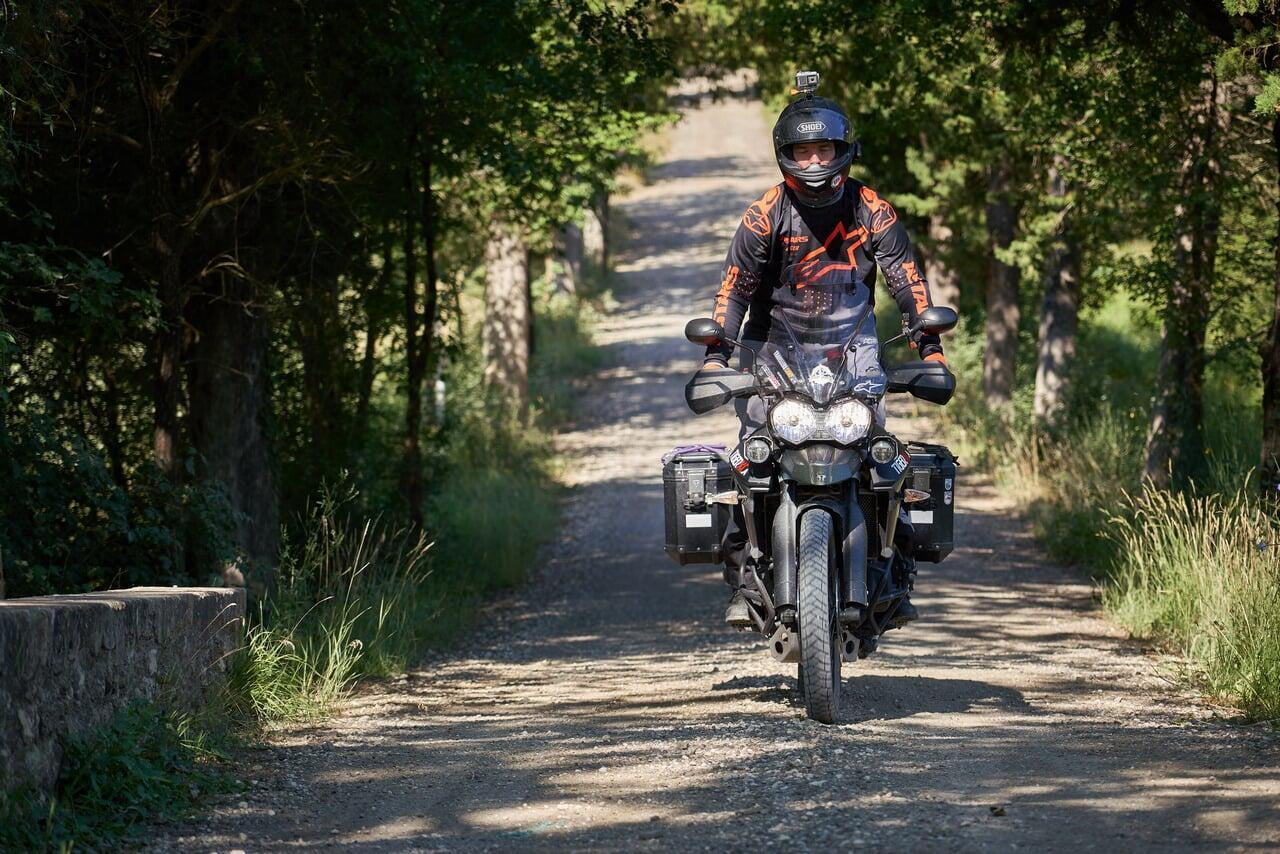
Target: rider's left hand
point(937, 357)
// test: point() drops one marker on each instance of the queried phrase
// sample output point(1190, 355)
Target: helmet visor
point(813, 173)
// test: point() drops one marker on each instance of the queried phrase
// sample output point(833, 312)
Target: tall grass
point(1203, 572)
point(1183, 568)
point(349, 602)
point(359, 597)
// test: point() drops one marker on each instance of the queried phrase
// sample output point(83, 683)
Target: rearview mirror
point(935, 320)
point(704, 331)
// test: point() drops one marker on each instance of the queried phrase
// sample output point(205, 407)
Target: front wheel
point(818, 615)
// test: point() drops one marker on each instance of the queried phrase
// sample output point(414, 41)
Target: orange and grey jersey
point(851, 237)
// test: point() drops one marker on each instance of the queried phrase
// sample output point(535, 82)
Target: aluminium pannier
point(691, 476)
point(933, 470)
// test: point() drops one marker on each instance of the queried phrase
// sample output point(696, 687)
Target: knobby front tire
point(818, 614)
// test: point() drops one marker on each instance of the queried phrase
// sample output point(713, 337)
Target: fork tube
point(784, 552)
point(853, 565)
point(747, 500)
point(891, 526)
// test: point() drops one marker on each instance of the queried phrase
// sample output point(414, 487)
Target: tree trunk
point(1175, 440)
point(506, 316)
point(167, 357)
point(167, 243)
point(566, 256)
point(419, 329)
point(1003, 313)
point(602, 210)
point(325, 374)
point(411, 477)
point(428, 352)
point(229, 409)
point(1269, 465)
point(944, 287)
point(113, 438)
point(593, 248)
point(369, 358)
point(1058, 314)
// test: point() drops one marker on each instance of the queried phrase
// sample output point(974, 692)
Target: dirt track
point(607, 706)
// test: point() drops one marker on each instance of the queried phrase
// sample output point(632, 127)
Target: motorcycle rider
point(816, 218)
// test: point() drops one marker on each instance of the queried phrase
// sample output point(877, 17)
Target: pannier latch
point(697, 495)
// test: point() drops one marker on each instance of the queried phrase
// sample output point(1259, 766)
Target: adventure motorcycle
point(821, 485)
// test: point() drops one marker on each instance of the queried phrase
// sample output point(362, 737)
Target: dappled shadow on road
point(590, 720)
point(614, 769)
point(879, 698)
point(702, 168)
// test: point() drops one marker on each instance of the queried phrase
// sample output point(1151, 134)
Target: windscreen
point(822, 338)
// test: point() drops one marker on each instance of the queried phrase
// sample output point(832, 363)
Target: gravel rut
point(605, 705)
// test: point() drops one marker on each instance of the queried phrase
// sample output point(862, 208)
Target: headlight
point(793, 421)
point(848, 422)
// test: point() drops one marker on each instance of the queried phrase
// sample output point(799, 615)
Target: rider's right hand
point(712, 366)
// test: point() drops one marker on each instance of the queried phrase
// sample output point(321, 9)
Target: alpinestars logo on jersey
point(756, 219)
point(812, 267)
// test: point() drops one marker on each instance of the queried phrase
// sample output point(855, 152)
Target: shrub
point(67, 526)
point(350, 600)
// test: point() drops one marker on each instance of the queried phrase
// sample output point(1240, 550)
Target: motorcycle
point(835, 508)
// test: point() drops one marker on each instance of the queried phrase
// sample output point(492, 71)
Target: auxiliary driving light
point(883, 450)
point(758, 450)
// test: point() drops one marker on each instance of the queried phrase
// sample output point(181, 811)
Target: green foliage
point(943, 96)
point(147, 765)
point(349, 602)
point(173, 181)
point(498, 496)
point(358, 597)
point(67, 526)
point(1268, 101)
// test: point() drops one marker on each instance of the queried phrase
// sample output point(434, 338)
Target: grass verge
point(1196, 571)
point(1201, 572)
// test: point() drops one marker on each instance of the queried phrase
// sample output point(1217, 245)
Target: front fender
point(851, 532)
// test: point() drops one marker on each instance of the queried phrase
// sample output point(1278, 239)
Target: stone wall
point(69, 663)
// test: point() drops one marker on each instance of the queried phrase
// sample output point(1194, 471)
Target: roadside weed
point(147, 765)
point(1203, 573)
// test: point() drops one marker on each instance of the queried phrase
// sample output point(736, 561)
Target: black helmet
point(813, 119)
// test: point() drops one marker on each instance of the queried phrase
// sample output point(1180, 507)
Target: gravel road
point(606, 706)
